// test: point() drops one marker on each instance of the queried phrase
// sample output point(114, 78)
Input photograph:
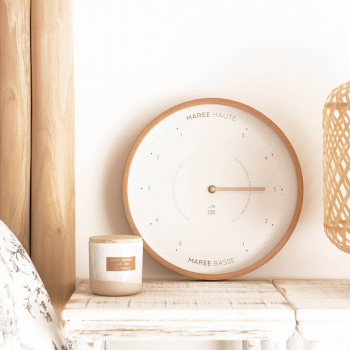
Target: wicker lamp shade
point(336, 167)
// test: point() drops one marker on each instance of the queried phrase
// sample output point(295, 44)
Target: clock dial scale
point(213, 187)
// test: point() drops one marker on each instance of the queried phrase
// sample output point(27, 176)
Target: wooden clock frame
point(291, 151)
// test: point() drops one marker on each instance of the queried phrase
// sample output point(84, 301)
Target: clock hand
point(213, 189)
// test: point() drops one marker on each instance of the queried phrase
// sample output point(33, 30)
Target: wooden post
point(15, 117)
point(53, 208)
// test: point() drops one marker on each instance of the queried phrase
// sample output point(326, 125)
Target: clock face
point(213, 187)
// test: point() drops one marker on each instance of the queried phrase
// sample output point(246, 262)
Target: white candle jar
point(115, 264)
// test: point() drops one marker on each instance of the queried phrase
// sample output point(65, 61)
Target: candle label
point(120, 264)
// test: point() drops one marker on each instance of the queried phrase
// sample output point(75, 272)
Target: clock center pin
point(212, 189)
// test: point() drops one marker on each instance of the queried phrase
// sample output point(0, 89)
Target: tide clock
point(214, 188)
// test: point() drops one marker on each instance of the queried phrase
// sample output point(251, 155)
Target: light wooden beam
point(15, 117)
point(53, 199)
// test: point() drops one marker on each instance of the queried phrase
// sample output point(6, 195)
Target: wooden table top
point(318, 295)
point(322, 307)
point(185, 309)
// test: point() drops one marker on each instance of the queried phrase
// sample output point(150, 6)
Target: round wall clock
point(214, 188)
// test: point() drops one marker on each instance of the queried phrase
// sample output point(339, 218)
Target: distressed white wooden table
point(250, 311)
point(322, 309)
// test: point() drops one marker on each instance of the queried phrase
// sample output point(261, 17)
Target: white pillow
point(28, 320)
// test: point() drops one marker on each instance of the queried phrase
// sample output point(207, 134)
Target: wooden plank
point(15, 118)
point(322, 296)
point(53, 208)
point(229, 310)
point(185, 295)
point(322, 307)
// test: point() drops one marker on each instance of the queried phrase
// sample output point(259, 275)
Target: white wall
point(135, 59)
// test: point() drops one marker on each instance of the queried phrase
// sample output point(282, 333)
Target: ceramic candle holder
point(115, 264)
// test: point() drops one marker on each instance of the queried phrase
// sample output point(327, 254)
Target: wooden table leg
point(252, 344)
point(295, 342)
point(265, 345)
point(96, 345)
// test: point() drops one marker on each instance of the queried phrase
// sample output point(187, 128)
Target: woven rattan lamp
point(336, 167)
